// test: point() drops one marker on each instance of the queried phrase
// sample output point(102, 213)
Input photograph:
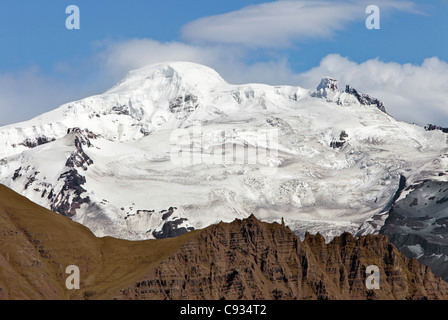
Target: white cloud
point(282, 23)
point(411, 92)
point(121, 56)
point(17, 90)
point(414, 93)
point(117, 58)
point(28, 92)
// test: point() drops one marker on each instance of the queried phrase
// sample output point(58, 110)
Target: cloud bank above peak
point(253, 44)
point(285, 22)
point(416, 93)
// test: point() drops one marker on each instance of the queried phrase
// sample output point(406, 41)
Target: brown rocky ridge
point(246, 259)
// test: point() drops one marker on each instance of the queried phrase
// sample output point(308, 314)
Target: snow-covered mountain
point(173, 147)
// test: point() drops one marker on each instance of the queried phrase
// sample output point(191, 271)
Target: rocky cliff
point(417, 224)
point(249, 259)
point(245, 259)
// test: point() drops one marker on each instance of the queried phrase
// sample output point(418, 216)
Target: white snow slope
point(175, 147)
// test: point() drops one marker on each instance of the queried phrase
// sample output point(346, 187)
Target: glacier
point(107, 161)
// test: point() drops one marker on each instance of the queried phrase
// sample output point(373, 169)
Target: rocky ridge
point(252, 260)
point(246, 259)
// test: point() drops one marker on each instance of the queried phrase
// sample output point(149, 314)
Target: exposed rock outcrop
point(249, 259)
point(418, 224)
point(365, 99)
point(326, 88)
point(32, 143)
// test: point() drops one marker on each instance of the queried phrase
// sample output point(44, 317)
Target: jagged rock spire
point(326, 86)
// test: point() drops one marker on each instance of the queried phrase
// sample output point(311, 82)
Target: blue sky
point(294, 42)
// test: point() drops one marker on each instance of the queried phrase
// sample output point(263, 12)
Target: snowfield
point(173, 147)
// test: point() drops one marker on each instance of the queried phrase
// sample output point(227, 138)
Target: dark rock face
point(121, 110)
point(84, 135)
point(184, 105)
point(329, 86)
point(78, 158)
point(252, 260)
point(168, 213)
point(17, 174)
point(431, 127)
point(171, 229)
point(418, 225)
point(70, 197)
point(400, 189)
point(342, 140)
point(365, 99)
point(32, 143)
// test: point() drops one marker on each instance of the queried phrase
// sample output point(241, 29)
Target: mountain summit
point(169, 75)
point(328, 89)
point(326, 86)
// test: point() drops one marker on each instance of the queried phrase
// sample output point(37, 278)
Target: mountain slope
point(249, 259)
point(417, 224)
point(37, 246)
point(246, 259)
